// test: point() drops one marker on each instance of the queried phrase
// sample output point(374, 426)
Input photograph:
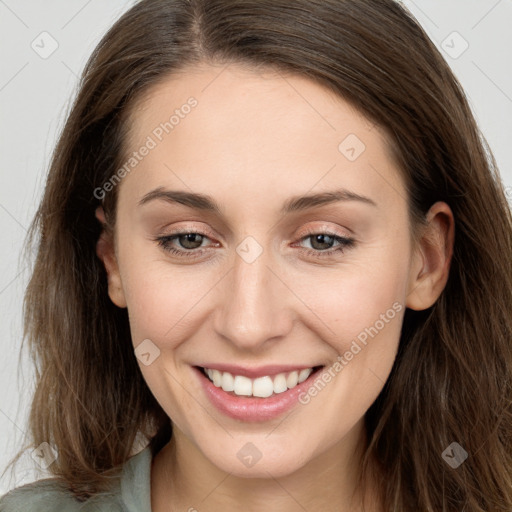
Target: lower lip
point(253, 409)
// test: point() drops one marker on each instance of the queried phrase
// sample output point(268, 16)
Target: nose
point(255, 306)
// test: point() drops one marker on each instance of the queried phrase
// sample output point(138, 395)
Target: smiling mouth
point(262, 387)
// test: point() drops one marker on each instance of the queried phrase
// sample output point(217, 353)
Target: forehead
point(260, 130)
point(245, 97)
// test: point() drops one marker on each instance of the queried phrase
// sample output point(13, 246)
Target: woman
point(273, 243)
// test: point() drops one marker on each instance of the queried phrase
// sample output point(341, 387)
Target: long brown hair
point(452, 378)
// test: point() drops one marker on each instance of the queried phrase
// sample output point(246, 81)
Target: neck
point(184, 477)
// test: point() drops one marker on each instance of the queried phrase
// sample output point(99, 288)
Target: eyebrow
point(294, 204)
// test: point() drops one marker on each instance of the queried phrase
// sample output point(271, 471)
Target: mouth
point(255, 395)
point(265, 397)
point(259, 387)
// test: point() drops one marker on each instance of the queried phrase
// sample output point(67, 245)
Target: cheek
point(166, 301)
point(356, 296)
point(361, 319)
point(161, 301)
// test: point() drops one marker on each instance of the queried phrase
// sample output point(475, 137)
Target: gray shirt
point(133, 494)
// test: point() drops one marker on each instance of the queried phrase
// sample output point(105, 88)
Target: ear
point(106, 253)
point(431, 260)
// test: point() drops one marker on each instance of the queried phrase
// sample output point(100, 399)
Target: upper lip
point(255, 372)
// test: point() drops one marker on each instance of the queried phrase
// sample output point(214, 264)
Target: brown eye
point(185, 243)
point(322, 241)
point(190, 240)
point(325, 245)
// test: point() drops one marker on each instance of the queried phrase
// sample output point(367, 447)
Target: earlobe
point(431, 261)
point(106, 253)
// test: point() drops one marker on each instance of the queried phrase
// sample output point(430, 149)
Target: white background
point(35, 95)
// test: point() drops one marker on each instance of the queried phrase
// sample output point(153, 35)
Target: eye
point(190, 242)
point(322, 244)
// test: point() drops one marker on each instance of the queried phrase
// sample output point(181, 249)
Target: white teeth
point(228, 382)
point(242, 386)
point(280, 383)
point(262, 387)
point(304, 374)
point(292, 380)
point(217, 378)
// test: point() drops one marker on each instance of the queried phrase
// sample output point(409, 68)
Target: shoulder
point(50, 495)
point(43, 495)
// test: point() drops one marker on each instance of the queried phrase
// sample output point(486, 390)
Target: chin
point(258, 458)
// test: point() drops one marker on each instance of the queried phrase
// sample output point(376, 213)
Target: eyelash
point(166, 240)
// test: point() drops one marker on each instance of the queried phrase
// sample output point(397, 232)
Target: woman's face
point(275, 281)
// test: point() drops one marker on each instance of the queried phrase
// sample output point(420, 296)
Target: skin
point(253, 141)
